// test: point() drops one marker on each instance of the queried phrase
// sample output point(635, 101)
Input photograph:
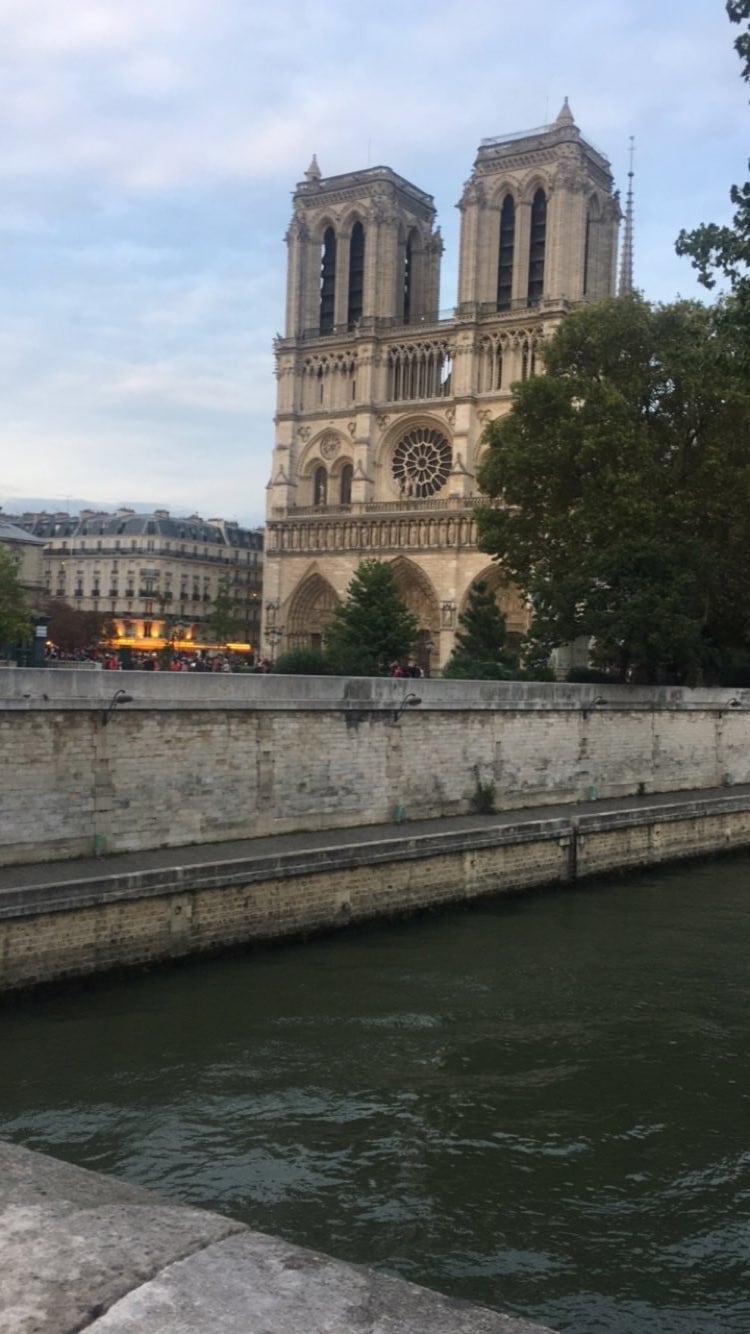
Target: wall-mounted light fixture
point(120, 697)
point(595, 704)
point(409, 701)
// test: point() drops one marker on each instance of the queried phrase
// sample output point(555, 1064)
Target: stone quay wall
point(62, 927)
point(199, 759)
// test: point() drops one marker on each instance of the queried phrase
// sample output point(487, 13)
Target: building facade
point(28, 553)
point(382, 402)
point(155, 577)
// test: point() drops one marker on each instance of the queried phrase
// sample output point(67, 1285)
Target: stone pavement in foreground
point(245, 849)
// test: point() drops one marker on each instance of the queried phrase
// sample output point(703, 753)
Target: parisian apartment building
point(156, 577)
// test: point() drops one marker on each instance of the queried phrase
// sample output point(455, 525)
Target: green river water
point(541, 1104)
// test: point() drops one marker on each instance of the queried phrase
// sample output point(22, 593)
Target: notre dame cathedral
point(382, 400)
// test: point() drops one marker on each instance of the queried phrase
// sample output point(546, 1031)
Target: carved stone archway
point(310, 612)
point(420, 597)
point(508, 598)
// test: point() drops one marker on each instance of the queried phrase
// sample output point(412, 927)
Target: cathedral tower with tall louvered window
point(383, 399)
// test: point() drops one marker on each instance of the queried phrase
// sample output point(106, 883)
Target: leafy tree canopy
point(726, 249)
point(222, 621)
point(480, 650)
point(71, 629)
point(621, 482)
point(303, 661)
point(15, 622)
point(373, 628)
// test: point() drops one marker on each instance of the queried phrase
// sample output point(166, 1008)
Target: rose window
point(422, 461)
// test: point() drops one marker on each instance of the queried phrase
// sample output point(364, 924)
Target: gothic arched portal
point(310, 612)
point(508, 599)
point(420, 597)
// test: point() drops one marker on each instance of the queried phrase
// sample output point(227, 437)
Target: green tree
point(222, 620)
point(480, 650)
point(726, 249)
point(15, 621)
point(621, 489)
point(72, 629)
point(304, 661)
point(373, 628)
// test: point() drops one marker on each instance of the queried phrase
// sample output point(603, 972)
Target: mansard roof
point(126, 523)
point(12, 532)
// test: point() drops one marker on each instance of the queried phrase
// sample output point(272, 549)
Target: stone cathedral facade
point(382, 400)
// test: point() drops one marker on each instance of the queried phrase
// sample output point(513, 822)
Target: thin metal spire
point(626, 262)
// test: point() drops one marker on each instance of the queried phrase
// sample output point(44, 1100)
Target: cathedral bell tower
point(539, 221)
point(361, 248)
point(382, 403)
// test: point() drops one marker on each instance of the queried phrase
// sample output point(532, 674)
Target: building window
point(505, 257)
point(408, 277)
point(327, 281)
point(422, 461)
point(356, 274)
point(537, 247)
point(320, 486)
point(345, 489)
point(148, 629)
point(419, 370)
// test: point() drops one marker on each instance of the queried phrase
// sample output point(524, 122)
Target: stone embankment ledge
point(74, 918)
point(83, 1252)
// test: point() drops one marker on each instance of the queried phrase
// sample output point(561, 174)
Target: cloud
point(148, 151)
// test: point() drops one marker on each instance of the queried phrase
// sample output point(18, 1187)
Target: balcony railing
point(379, 507)
point(467, 312)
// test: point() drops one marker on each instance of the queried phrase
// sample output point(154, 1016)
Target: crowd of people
point(141, 661)
point(202, 660)
point(410, 669)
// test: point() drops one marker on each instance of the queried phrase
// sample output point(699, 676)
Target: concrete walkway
point(37, 874)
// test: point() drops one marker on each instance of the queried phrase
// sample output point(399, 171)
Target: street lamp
point(274, 632)
point(274, 635)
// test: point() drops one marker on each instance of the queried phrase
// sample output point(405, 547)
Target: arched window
point(591, 257)
point(356, 274)
point(505, 258)
point(537, 247)
point(345, 487)
point(408, 276)
point(320, 486)
point(327, 281)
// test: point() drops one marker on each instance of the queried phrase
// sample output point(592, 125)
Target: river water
point(541, 1104)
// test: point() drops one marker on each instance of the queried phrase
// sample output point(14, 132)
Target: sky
point(148, 152)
